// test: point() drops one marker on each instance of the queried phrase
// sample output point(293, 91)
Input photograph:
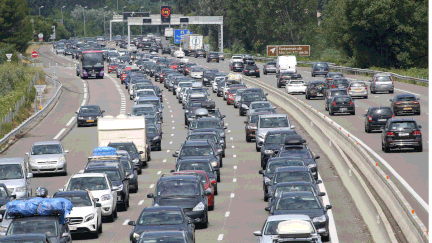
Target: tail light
point(390, 134)
point(282, 77)
point(370, 118)
point(334, 103)
point(351, 103)
point(398, 103)
point(349, 88)
point(417, 133)
point(416, 102)
point(393, 116)
point(375, 80)
point(365, 87)
point(246, 71)
point(333, 86)
point(391, 79)
point(257, 70)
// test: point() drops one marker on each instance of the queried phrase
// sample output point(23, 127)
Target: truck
point(191, 43)
point(169, 33)
point(124, 129)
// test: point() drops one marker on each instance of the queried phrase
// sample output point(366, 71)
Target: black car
point(200, 53)
point(213, 56)
point(154, 136)
point(164, 236)
point(282, 78)
point(320, 68)
point(271, 167)
point(248, 98)
point(332, 75)
point(40, 238)
point(272, 144)
point(338, 83)
point(237, 66)
point(341, 104)
point(131, 148)
point(154, 49)
point(247, 57)
point(162, 218)
point(185, 191)
point(166, 50)
point(251, 70)
point(199, 164)
point(315, 89)
point(88, 115)
point(210, 123)
point(295, 186)
point(118, 176)
point(401, 133)
point(376, 118)
point(332, 93)
point(200, 149)
point(209, 76)
point(146, 45)
point(209, 133)
point(304, 203)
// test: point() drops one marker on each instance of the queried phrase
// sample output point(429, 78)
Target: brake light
point(416, 102)
point(334, 103)
point(282, 77)
point(351, 103)
point(390, 134)
point(333, 86)
point(393, 116)
point(257, 70)
point(370, 118)
point(417, 133)
point(375, 80)
point(246, 71)
point(349, 88)
point(398, 103)
point(365, 87)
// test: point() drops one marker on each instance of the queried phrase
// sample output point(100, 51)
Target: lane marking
point(152, 185)
point(234, 156)
point(171, 142)
point(220, 237)
point(172, 134)
point(235, 167)
point(159, 172)
point(126, 222)
point(232, 195)
point(70, 121)
point(168, 151)
point(60, 133)
point(235, 180)
point(141, 202)
point(227, 214)
point(164, 161)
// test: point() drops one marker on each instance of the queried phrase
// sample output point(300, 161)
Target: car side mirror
point(321, 194)
point(98, 205)
point(225, 127)
point(261, 172)
point(13, 196)
point(129, 114)
point(328, 207)
point(175, 155)
point(260, 143)
point(61, 190)
point(223, 116)
point(292, 127)
point(418, 98)
point(141, 152)
point(318, 181)
point(29, 175)
point(162, 106)
point(391, 100)
point(65, 235)
point(207, 192)
point(131, 223)
point(150, 195)
point(213, 182)
point(245, 122)
point(257, 233)
point(66, 151)
point(419, 126)
point(172, 171)
point(127, 174)
point(76, 112)
point(317, 157)
point(267, 209)
point(28, 154)
point(267, 183)
point(266, 94)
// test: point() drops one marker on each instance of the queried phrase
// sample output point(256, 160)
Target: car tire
point(216, 190)
point(265, 73)
point(307, 97)
point(248, 139)
point(78, 125)
point(265, 198)
point(352, 113)
point(139, 171)
point(257, 148)
point(204, 224)
point(367, 130)
point(258, 76)
point(112, 217)
point(419, 148)
point(100, 230)
point(96, 233)
point(218, 176)
point(217, 61)
point(313, 75)
point(331, 113)
point(325, 238)
point(391, 92)
point(386, 149)
point(326, 108)
point(418, 113)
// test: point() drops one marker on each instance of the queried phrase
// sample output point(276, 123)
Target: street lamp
point(84, 22)
point(141, 23)
point(104, 21)
point(62, 13)
point(40, 9)
point(124, 8)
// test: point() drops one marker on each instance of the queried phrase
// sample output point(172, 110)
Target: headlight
point(261, 136)
point(81, 118)
point(205, 79)
point(156, 205)
point(268, 151)
point(214, 164)
point(62, 160)
point(21, 189)
point(312, 166)
point(244, 106)
point(3, 207)
point(199, 207)
point(187, 111)
point(320, 219)
point(32, 161)
point(3, 229)
point(136, 161)
point(118, 188)
point(156, 138)
point(105, 197)
point(136, 236)
point(89, 217)
point(266, 179)
point(222, 134)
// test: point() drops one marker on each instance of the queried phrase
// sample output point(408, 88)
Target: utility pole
point(84, 22)
point(141, 23)
point(40, 9)
point(61, 10)
point(104, 21)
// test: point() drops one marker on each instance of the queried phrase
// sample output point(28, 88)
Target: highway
point(239, 206)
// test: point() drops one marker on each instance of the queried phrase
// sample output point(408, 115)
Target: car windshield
point(126, 163)
point(298, 203)
point(150, 120)
point(208, 124)
point(260, 105)
point(271, 64)
point(251, 97)
point(48, 227)
point(130, 148)
point(383, 79)
point(338, 93)
point(403, 125)
point(145, 93)
point(160, 218)
point(196, 151)
point(292, 176)
point(296, 152)
point(112, 174)
point(233, 91)
point(173, 188)
point(46, 149)
point(11, 172)
point(357, 84)
point(271, 168)
point(406, 98)
point(293, 188)
point(277, 138)
point(86, 110)
point(273, 122)
point(342, 99)
point(198, 69)
point(82, 200)
point(162, 239)
point(266, 110)
point(381, 111)
point(87, 183)
point(92, 59)
point(195, 166)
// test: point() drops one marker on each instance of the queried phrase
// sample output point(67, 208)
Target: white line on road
point(232, 195)
point(70, 121)
point(141, 202)
point(170, 142)
point(168, 151)
point(159, 172)
point(126, 222)
point(235, 167)
point(233, 146)
point(152, 185)
point(235, 180)
point(220, 237)
point(234, 156)
point(227, 214)
point(164, 161)
point(60, 133)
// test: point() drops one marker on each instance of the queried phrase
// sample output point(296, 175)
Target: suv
point(401, 133)
point(315, 89)
point(86, 216)
point(376, 118)
point(403, 104)
point(382, 82)
point(320, 68)
point(272, 144)
point(15, 174)
point(333, 93)
point(271, 122)
point(237, 66)
point(186, 191)
point(100, 187)
point(251, 70)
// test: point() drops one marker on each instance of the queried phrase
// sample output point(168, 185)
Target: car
point(247, 99)
point(320, 68)
point(270, 122)
point(196, 72)
point(283, 77)
point(151, 101)
point(295, 87)
point(200, 53)
point(179, 54)
point(376, 118)
point(358, 89)
point(251, 70)
point(186, 191)
point(129, 167)
point(86, 214)
point(133, 152)
point(315, 89)
point(301, 202)
point(112, 67)
point(212, 134)
point(15, 174)
point(221, 56)
point(27, 237)
point(211, 123)
point(405, 104)
point(47, 157)
point(213, 56)
point(88, 115)
point(153, 49)
point(187, 68)
point(333, 93)
point(269, 67)
point(340, 83)
point(382, 82)
point(230, 95)
point(237, 66)
point(332, 75)
point(251, 124)
point(161, 218)
point(273, 142)
point(164, 236)
point(155, 136)
point(341, 104)
point(166, 50)
point(401, 133)
point(199, 165)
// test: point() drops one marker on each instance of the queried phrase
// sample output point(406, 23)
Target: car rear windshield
point(298, 203)
point(197, 151)
point(296, 82)
point(383, 79)
point(87, 183)
point(381, 111)
point(342, 99)
point(273, 122)
point(271, 64)
point(260, 105)
point(48, 227)
point(293, 188)
point(338, 93)
point(340, 81)
point(160, 218)
point(251, 97)
point(174, 188)
point(292, 176)
point(403, 125)
point(271, 168)
point(195, 166)
point(406, 98)
point(358, 84)
point(321, 65)
point(316, 85)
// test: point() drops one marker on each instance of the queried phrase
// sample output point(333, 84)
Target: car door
point(113, 192)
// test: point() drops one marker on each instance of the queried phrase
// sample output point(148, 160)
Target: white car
point(197, 72)
point(236, 58)
point(216, 82)
point(180, 86)
point(296, 86)
point(100, 187)
point(143, 93)
point(179, 54)
point(86, 214)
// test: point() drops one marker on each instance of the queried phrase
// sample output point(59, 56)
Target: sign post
point(39, 90)
point(179, 35)
point(207, 47)
point(40, 37)
point(9, 56)
point(35, 54)
point(283, 50)
point(166, 14)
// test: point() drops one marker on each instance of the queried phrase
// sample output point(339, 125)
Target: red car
point(124, 74)
point(174, 65)
point(207, 184)
point(112, 67)
point(230, 95)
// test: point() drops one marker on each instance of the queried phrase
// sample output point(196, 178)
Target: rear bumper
point(383, 88)
point(399, 111)
point(404, 144)
point(320, 72)
point(358, 94)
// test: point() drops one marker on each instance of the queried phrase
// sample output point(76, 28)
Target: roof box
point(294, 140)
point(295, 229)
point(104, 151)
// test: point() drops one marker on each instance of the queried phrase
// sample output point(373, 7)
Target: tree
point(15, 27)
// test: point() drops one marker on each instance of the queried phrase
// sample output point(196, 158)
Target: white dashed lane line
point(70, 121)
point(60, 133)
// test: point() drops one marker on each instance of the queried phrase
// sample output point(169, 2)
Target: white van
point(286, 63)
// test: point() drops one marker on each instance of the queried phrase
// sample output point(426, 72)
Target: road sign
point(35, 54)
point(52, 37)
point(40, 35)
point(9, 56)
point(282, 50)
point(179, 35)
point(207, 47)
point(40, 88)
point(165, 14)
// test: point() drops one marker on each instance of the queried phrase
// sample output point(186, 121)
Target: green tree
point(15, 27)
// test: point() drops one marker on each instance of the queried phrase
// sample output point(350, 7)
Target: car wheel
point(418, 113)
point(159, 148)
point(265, 73)
point(78, 125)
point(307, 97)
point(331, 113)
point(386, 149)
point(139, 171)
point(215, 190)
point(112, 217)
point(353, 113)
point(248, 139)
point(325, 238)
point(313, 75)
point(204, 224)
point(258, 76)
point(265, 197)
point(367, 130)
point(419, 148)
point(218, 176)
point(96, 233)
point(257, 148)
point(217, 61)
point(391, 92)
point(326, 108)
point(100, 230)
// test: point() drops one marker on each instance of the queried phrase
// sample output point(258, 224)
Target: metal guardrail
point(31, 120)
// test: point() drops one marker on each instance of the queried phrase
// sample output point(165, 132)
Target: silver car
point(237, 97)
point(271, 122)
point(358, 89)
point(14, 173)
point(48, 157)
point(382, 82)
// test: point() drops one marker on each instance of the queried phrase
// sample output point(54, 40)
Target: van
point(15, 174)
point(286, 63)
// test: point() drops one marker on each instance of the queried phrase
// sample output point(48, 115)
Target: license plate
point(90, 120)
point(72, 227)
point(214, 59)
point(382, 120)
point(48, 167)
point(320, 95)
point(407, 108)
point(343, 109)
point(252, 71)
point(119, 198)
point(358, 89)
point(403, 134)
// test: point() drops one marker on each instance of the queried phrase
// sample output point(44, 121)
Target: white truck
point(191, 43)
point(286, 64)
point(123, 129)
point(236, 58)
point(169, 33)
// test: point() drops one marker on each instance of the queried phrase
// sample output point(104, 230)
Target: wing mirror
point(292, 127)
point(261, 172)
point(28, 154)
point(208, 192)
point(419, 126)
point(150, 195)
point(321, 194)
point(213, 182)
point(317, 157)
point(257, 233)
point(98, 205)
point(225, 127)
point(65, 235)
point(245, 122)
point(172, 171)
point(131, 223)
point(61, 190)
point(129, 114)
point(66, 151)
point(267, 209)
point(29, 175)
point(391, 100)
point(141, 152)
point(318, 181)
point(267, 183)
point(328, 207)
